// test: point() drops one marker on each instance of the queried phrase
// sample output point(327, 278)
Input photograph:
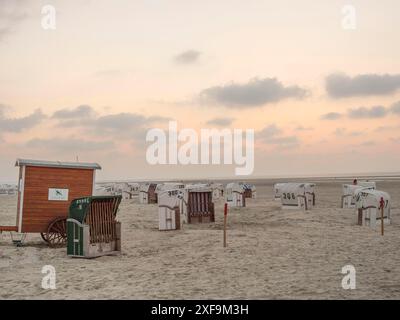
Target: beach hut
point(350, 191)
point(249, 191)
point(134, 186)
point(45, 191)
point(129, 190)
point(193, 204)
point(310, 193)
point(298, 196)
point(133, 189)
point(368, 204)
point(169, 209)
point(108, 189)
point(147, 193)
point(119, 188)
point(234, 194)
point(278, 191)
point(103, 190)
point(197, 204)
point(92, 228)
point(217, 190)
point(3, 189)
point(8, 189)
point(161, 187)
point(126, 189)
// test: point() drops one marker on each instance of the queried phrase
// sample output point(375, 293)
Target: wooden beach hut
point(234, 194)
point(368, 205)
point(170, 204)
point(298, 195)
point(45, 191)
point(92, 228)
point(165, 186)
point(217, 190)
point(350, 191)
point(126, 189)
point(193, 204)
point(147, 193)
point(278, 191)
point(249, 191)
point(8, 189)
point(197, 204)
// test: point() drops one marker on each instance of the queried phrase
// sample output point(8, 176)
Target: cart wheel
point(43, 235)
point(56, 235)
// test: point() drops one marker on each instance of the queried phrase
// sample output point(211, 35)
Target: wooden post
point(225, 218)
point(382, 222)
point(360, 217)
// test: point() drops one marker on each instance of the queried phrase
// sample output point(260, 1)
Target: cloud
point(289, 141)
point(395, 108)
point(187, 57)
point(367, 113)
point(74, 117)
point(340, 132)
point(124, 122)
point(374, 112)
point(368, 143)
point(120, 124)
point(385, 128)
point(221, 122)
point(82, 111)
point(20, 124)
point(301, 128)
point(100, 132)
point(70, 144)
point(156, 119)
point(271, 134)
point(255, 93)
point(355, 133)
point(4, 31)
point(11, 14)
point(340, 85)
point(331, 116)
point(82, 129)
point(111, 73)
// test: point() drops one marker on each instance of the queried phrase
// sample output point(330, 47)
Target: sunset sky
point(321, 98)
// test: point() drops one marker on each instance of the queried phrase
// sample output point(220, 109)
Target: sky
point(317, 81)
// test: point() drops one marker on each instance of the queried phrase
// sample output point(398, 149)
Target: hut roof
point(56, 164)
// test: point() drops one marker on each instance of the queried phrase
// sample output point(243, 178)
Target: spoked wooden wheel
point(43, 235)
point(56, 235)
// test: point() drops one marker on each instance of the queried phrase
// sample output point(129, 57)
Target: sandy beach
point(271, 254)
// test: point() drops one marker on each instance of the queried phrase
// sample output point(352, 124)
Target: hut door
point(74, 238)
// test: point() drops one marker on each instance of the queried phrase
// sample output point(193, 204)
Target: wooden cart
point(45, 192)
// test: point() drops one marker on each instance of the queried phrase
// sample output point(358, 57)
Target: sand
point(271, 254)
